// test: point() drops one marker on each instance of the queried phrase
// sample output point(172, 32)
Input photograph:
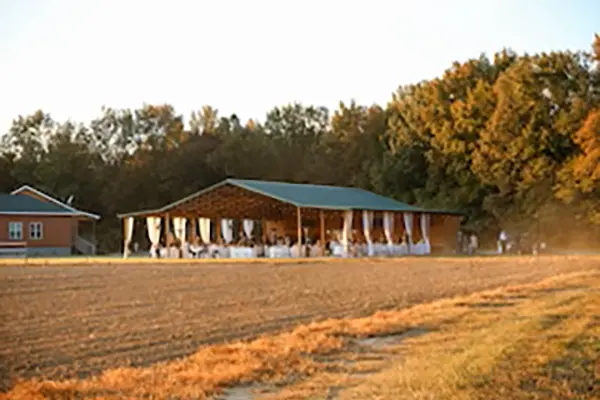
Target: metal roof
point(306, 196)
point(21, 204)
point(65, 207)
point(321, 196)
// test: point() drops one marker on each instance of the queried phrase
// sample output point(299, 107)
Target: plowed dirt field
point(66, 321)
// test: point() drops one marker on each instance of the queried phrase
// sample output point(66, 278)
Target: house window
point(36, 231)
point(15, 231)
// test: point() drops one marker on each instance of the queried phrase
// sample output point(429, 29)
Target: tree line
point(512, 140)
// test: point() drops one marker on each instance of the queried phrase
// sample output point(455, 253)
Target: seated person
point(273, 238)
point(194, 247)
point(295, 250)
point(315, 249)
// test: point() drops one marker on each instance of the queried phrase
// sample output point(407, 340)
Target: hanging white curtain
point(227, 230)
point(153, 224)
point(248, 227)
point(127, 235)
point(179, 224)
point(388, 227)
point(367, 226)
point(425, 228)
point(204, 226)
point(408, 225)
point(346, 231)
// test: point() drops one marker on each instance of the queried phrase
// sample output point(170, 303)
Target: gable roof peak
point(53, 200)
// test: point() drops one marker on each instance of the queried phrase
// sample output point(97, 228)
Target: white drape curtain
point(367, 226)
point(227, 230)
point(408, 225)
point(425, 228)
point(179, 224)
point(347, 230)
point(388, 227)
point(153, 225)
point(204, 227)
point(127, 235)
point(248, 227)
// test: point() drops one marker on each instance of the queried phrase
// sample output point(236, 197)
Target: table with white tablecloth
point(337, 250)
point(381, 250)
point(282, 251)
point(242, 252)
point(279, 252)
point(420, 249)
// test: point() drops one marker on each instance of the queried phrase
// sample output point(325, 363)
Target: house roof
point(19, 203)
point(305, 196)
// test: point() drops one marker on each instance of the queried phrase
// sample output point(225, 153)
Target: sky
point(71, 57)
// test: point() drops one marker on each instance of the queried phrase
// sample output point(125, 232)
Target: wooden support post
point(322, 218)
point(168, 232)
point(125, 242)
point(218, 230)
point(299, 232)
point(193, 234)
point(94, 236)
point(263, 229)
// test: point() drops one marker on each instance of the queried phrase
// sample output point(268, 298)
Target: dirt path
point(59, 322)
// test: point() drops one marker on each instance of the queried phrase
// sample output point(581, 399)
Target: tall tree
point(512, 140)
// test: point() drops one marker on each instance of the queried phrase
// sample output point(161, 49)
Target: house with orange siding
point(33, 223)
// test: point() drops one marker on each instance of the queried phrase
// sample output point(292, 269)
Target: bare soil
point(64, 322)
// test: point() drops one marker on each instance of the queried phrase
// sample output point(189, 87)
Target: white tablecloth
point(337, 250)
point(171, 252)
point(380, 249)
point(315, 251)
point(419, 249)
point(400, 249)
point(242, 252)
point(279, 252)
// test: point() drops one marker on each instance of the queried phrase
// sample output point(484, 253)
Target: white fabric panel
point(408, 225)
point(367, 226)
point(227, 230)
point(347, 230)
point(248, 227)
point(388, 227)
point(425, 228)
point(204, 226)
point(127, 235)
point(179, 224)
point(153, 225)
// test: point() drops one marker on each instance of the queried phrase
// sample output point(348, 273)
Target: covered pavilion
point(299, 211)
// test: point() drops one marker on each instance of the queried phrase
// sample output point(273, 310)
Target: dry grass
point(313, 358)
point(543, 346)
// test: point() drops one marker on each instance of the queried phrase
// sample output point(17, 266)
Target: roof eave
point(445, 212)
point(142, 213)
point(39, 213)
point(89, 215)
